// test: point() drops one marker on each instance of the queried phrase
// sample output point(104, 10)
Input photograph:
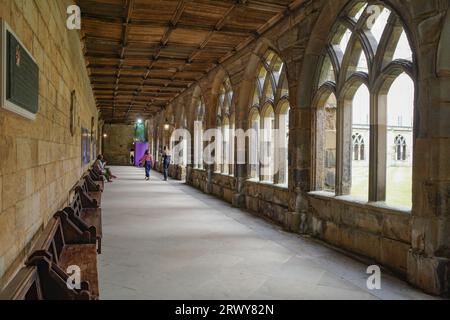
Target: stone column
point(429, 256)
point(299, 140)
point(241, 172)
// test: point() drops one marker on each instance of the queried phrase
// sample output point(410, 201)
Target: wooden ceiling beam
point(155, 24)
point(129, 5)
point(164, 40)
point(123, 53)
point(219, 25)
point(264, 6)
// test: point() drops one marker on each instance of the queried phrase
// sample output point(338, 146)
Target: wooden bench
point(93, 185)
point(24, 286)
point(85, 212)
point(44, 277)
point(90, 188)
point(97, 178)
point(61, 245)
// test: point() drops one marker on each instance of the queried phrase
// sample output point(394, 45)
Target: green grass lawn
point(398, 189)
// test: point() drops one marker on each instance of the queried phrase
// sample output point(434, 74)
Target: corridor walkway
point(170, 241)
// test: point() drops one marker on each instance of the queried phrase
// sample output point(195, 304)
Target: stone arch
point(246, 87)
point(196, 96)
point(211, 110)
point(443, 62)
point(320, 37)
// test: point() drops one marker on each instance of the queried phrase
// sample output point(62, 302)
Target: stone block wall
point(372, 231)
point(118, 143)
point(40, 161)
point(267, 200)
point(177, 172)
point(223, 186)
point(198, 179)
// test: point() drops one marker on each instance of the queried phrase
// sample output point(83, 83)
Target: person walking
point(147, 162)
point(166, 162)
point(132, 157)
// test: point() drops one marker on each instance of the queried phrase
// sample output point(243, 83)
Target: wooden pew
point(93, 185)
point(97, 178)
point(25, 285)
point(84, 211)
point(61, 245)
point(91, 189)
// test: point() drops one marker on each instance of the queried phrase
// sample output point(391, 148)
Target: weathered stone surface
point(118, 144)
point(40, 160)
point(394, 254)
point(371, 229)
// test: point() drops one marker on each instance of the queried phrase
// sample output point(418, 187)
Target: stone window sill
point(380, 205)
point(283, 187)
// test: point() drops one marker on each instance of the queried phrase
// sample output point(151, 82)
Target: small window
point(358, 148)
point(400, 148)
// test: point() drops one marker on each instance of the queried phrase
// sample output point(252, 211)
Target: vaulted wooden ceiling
point(141, 54)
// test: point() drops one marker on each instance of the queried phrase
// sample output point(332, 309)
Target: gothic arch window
point(224, 150)
point(268, 144)
point(282, 151)
point(400, 148)
point(368, 57)
point(270, 106)
point(358, 147)
point(254, 143)
point(182, 141)
point(199, 127)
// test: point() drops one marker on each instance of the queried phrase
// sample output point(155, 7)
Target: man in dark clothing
point(166, 162)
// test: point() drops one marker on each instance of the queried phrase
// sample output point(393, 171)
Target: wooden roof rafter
point(129, 4)
point(165, 38)
point(145, 53)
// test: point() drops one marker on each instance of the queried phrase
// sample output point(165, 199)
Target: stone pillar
point(241, 172)
point(299, 148)
point(429, 256)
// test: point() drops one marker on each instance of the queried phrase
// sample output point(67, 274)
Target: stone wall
point(198, 179)
point(267, 200)
point(118, 143)
point(40, 161)
point(372, 231)
point(223, 186)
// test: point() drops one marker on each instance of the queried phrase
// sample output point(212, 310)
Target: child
point(147, 162)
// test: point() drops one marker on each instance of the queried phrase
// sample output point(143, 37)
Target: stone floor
point(169, 241)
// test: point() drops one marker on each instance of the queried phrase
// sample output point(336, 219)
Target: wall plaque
point(73, 113)
point(85, 146)
point(19, 76)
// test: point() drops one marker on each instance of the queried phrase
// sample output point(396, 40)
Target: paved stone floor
point(169, 241)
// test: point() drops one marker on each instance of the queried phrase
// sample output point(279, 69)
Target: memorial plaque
point(20, 76)
point(85, 146)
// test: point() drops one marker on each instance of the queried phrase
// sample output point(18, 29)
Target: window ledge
point(322, 194)
point(384, 206)
point(225, 175)
point(353, 199)
point(283, 187)
point(380, 205)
